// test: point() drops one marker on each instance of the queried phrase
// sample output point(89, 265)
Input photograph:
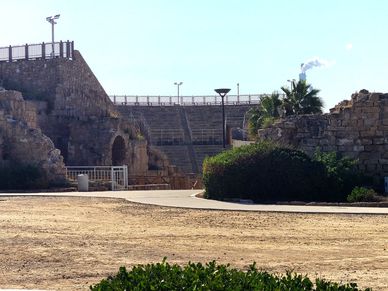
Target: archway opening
point(118, 151)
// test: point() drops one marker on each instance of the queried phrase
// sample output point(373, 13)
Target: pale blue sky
point(142, 47)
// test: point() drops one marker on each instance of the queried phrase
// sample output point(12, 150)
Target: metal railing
point(37, 51)
point(185, 100)
point(116, 175)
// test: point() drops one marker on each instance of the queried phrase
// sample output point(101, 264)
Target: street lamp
point(52, 19)
point(222, 92)
point(178, 85)
point(292, 82)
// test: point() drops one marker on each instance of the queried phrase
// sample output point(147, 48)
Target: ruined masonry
point(357, 128)
point(51, 104)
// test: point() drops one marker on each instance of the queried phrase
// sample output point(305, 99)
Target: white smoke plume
point(314, 62)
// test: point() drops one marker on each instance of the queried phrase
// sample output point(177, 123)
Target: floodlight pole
point(222, 92)
point(178, 85)
point(52, 19)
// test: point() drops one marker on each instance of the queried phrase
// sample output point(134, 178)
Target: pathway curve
point(187, 199)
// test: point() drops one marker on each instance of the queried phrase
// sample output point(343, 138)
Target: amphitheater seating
point(186, 134)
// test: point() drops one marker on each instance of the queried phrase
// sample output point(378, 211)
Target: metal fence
point(116, 175)
point(185, 100)
point(37, 51)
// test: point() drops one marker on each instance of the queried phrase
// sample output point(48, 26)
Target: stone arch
point(118, 151)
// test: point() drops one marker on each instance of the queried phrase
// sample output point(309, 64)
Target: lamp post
point(292, 82)
point(178, 85)
point(222, 92)
point(52, 19)
point(238, 93)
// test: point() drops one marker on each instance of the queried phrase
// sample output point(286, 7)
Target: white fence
point(116, 175)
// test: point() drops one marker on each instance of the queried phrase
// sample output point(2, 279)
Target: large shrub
point(342, 174)
point(163, 276)
point(264, 172)
point(22, 177)
point(362, 194)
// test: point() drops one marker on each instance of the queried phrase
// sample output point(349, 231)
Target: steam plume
point(315, 62)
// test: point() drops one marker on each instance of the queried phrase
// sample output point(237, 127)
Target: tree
point(265, 113)
point(301, 98)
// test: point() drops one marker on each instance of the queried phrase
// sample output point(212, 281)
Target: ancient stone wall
point(22, 142)
point(73, 109)
point(357, 128)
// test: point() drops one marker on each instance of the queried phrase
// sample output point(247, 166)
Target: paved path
point(187, 199)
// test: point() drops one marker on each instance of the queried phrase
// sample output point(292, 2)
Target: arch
point(118, 151)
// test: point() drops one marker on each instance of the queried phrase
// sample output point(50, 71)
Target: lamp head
point(222, 92)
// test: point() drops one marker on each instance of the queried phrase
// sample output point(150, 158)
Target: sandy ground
point(63, 243)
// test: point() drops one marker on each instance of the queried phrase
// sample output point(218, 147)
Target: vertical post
point(68, 49)
point(204, 100)
point(26, 51)
point(250, 98)
point(192, 99)
point(148, 100)
point(61, 49)
point(159, 100)
point(170, 100)
point(137, 100)
point(10, 53)
point(52, 39)
point(72, 49)
point(114, 99)
point(223, 122)
point(238, 93)
point(125, 99)
point(178, 93)
point(43, 51)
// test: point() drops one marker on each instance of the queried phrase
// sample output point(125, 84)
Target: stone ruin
point(357, 128)
point(55, 112)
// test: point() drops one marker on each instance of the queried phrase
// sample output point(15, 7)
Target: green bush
point(362, 194)
point(342, 174)
point(263, 172)
point(22, 177)
point(163, 276)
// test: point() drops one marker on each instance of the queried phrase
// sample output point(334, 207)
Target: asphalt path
point(188, 199)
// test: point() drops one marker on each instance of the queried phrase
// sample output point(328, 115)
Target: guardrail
point(37, 51)
point(139, 100)
point(116, 175)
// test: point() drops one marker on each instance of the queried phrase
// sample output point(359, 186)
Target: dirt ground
point(64, 243)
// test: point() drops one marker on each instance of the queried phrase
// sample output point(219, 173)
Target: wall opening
point(118, 151)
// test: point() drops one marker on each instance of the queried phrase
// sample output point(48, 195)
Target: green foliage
point(196, 276)
point(301, 98)
point(265, 113)
point(362, 194)
point(342, 174)
point(22, 177)
point(263, 172)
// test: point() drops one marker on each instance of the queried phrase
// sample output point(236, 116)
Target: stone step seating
point(164, 123)
point(178, 155)
point(203, 151)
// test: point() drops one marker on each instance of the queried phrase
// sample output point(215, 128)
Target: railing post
point(125, 99)
point(170, 100)
point(159, 100)
point(137, 100)
point(192, 99)
point(114, 99)
point(204, 100)
point(61, 49)
point(10, 53)
point(43, 51)
point(26, 51)
point(249, 99)
point(148, 100)
point(72, 49)
point(68, 49)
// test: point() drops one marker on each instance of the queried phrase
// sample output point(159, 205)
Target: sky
point(141, 47)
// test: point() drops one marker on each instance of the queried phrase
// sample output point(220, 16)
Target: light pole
point(52, 19)
point(178, 85)
point(222, 92)
point(292, 82)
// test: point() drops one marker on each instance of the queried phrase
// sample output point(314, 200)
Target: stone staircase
point(187, 134)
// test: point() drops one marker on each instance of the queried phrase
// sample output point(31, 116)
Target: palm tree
point(265, 113)
point(301, 98)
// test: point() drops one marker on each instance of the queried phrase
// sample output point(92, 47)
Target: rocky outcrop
point(22, 142)
point(357, 128)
